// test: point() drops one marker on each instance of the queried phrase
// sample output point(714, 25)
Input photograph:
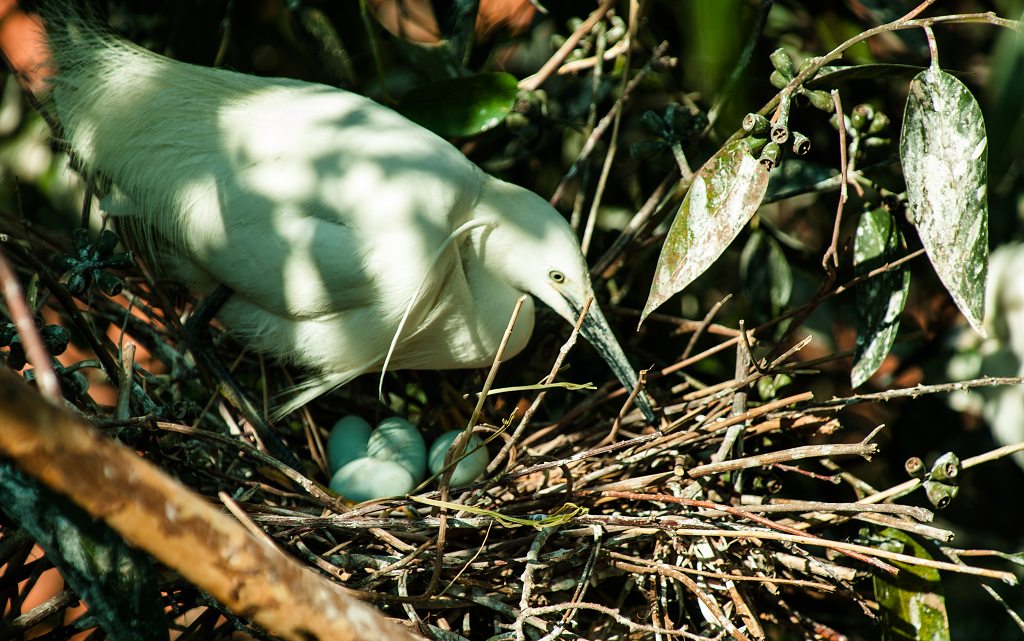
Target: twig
point(531, 83)
point(690, 585)
point(833, 248)
point(459, 446)
point(839, 546)
point(654, 204)
point(865, 450)
point(178, 527)
point(124, 390)
point(36, 352)
point(750, 516)
point(914, 392)
point(703, 326)
point(557, 365)
point(606, 121)
point(532, 561)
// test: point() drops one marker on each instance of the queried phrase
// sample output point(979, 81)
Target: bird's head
point(532, 247)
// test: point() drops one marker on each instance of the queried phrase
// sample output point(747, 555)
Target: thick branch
point(178, 527)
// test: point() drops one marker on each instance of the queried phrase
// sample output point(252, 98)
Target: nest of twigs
point(744, 513)
point(589, 523)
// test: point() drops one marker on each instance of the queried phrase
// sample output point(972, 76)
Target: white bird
point(352, 238)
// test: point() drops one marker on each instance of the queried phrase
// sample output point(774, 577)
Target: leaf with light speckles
point(880, 300)
point(944, 152)
point(912, 605)
point(724, 194)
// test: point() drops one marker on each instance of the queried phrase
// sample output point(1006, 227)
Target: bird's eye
point(556, 276)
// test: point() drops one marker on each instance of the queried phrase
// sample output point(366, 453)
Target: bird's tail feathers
point(311, 389)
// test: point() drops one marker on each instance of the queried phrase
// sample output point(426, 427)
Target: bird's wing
point(305, 199)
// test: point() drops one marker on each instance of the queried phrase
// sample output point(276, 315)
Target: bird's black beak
point(597, 332)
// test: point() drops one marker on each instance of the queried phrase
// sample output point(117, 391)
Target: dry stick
point(124, 390)
point(526, 579)
point(181, 529)
point(909, 486)
point(613, 433)
point(744, 358)
point(710, 505)
point(584, 581)
point(614, 614)
point(840, 546)
point(530, 411)
point(244, 519)
point(833, 248)
point(36, 352)
point(606, 121)
point(1016, 617)
point(579, 456)
point(613, 143)
point(793, 454)
point(685, 437)
point(690, 585)
point(752, 413)
point(918, 9)
point(457, 448)
point(917, 513)
point(654, 203)
point(311, 488)
point(703, 327)
point(613, 52)
point(926, 531)
point(531, 83)
point(57, 604)
point(913, 392)
point(804, 309)
point(824, 587)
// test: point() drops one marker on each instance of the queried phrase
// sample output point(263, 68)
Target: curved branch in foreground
point(159, 515)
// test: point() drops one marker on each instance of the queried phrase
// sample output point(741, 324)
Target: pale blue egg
point(347, 441)
point(368, 478)
point(469, 468)
point(398, 440)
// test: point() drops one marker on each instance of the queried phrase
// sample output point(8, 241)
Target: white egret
point(339, 225)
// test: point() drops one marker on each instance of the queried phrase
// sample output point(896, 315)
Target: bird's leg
point(200, 341)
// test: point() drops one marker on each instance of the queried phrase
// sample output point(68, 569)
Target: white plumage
point(330, 216)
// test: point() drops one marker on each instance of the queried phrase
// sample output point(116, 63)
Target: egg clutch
point(392, 460)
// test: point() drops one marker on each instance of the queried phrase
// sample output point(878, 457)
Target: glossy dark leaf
point(880, 300)
point(725, 193)
point(912, 605)
point(767, 277)
point(461, 106)
point(943, 149)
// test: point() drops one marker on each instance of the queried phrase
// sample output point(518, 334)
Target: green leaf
point(461, 106)
point(767, 277)
point(880, 300)
point(725, 193)
point(912, 605)
point(943, 149)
